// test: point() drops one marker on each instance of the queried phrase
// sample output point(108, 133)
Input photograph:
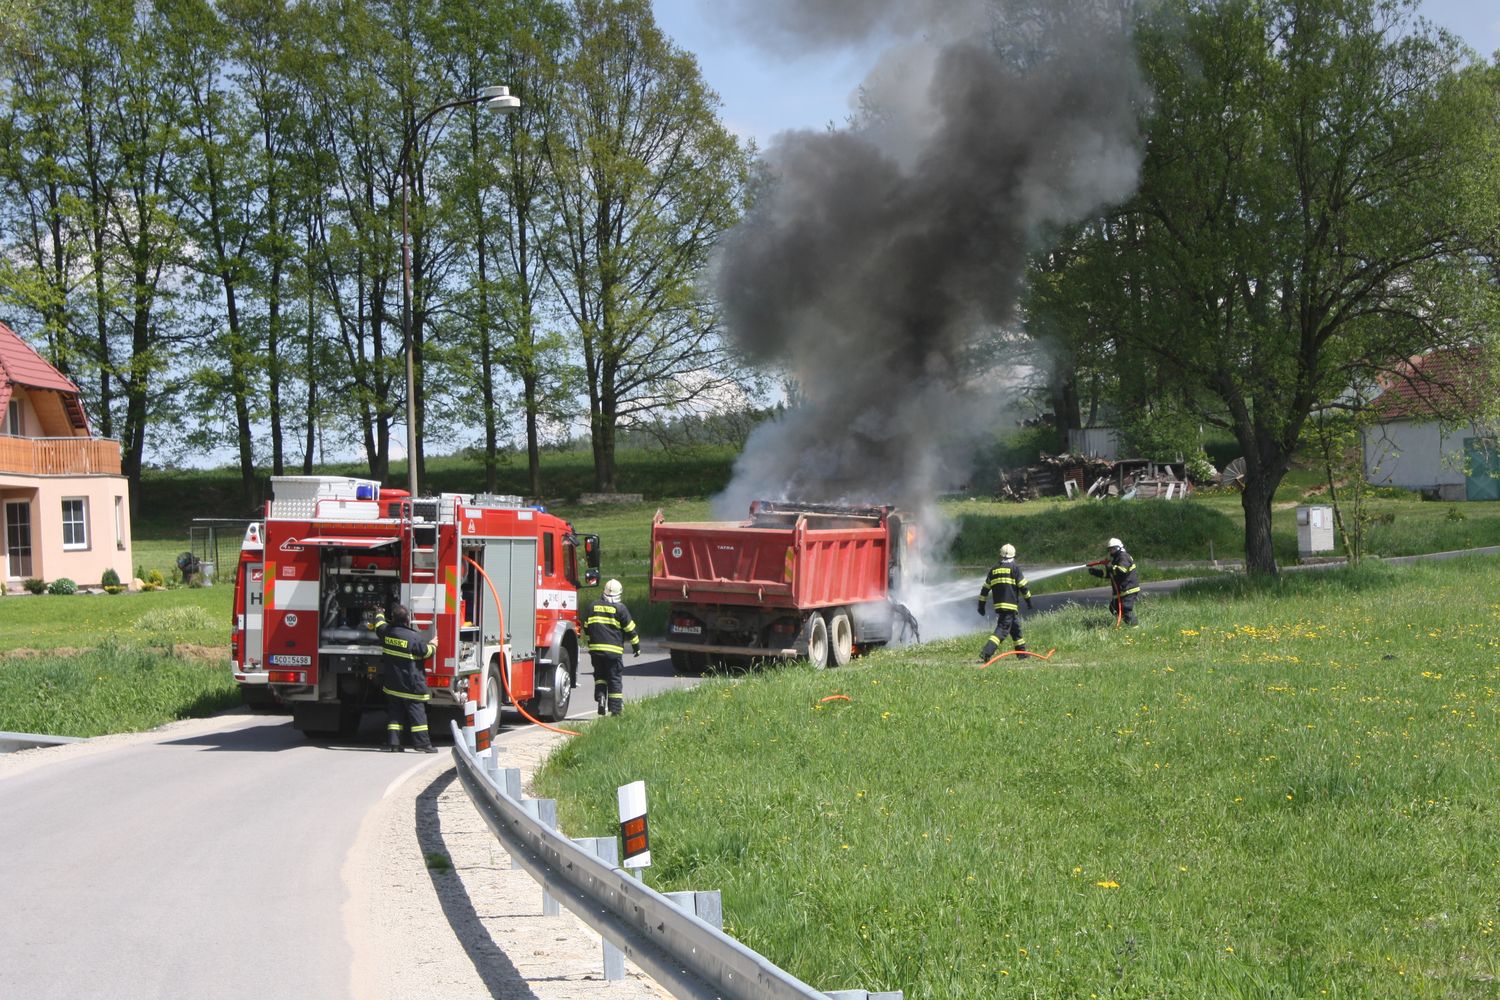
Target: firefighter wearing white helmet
point(1006, 583)
point(1119, 570)
point(608, 624)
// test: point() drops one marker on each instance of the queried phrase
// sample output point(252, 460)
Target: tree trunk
point(1260, 556)
point(533, 436)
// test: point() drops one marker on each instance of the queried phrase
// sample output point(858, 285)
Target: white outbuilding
point(1430, 436)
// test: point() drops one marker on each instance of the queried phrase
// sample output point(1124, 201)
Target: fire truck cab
point(492, 580)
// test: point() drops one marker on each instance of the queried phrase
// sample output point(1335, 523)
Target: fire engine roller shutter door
point(511, 564)
point(255, 607)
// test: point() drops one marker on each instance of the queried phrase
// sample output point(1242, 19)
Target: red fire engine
point(333, 550)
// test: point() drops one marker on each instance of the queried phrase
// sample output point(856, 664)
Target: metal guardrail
point(10, 742)
point(690, 958)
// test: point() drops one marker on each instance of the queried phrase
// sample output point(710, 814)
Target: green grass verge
point(163, 618)
point(1279, 789)
point(111, 689)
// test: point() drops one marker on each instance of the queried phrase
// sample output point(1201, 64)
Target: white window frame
point(83, 508)
point(15, 419)
point(120, 523)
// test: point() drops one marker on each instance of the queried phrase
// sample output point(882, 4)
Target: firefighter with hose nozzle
point(609, 624)
point(1119, 570)
point(403, 678)
point(1007, 584)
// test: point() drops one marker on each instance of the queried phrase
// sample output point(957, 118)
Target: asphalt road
point(207, 862)
point(204, 863)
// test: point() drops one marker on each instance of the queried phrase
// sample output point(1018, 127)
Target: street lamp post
point(500, 100)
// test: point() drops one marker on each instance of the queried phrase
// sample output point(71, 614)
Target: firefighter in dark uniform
point(608, 625)
point(1006, 583)
point(1119, 569)
point(404, 680)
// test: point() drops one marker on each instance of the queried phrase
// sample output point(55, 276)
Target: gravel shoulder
point(475, 928)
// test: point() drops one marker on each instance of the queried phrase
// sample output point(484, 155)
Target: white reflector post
point(635, 844)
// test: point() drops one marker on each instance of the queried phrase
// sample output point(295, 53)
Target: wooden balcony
point(74, 456)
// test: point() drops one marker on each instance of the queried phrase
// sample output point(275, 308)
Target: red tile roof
point(20, 365)
point(1444, 384)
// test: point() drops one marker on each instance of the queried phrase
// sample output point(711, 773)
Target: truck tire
point(686, 663)
point(553, 707)
point(258, 698)
point(351, 713)
point(493, 692)
point(817, 641)
point(840, 637)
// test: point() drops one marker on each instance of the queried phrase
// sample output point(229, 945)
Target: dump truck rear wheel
point(817, 641)
point(840, 638)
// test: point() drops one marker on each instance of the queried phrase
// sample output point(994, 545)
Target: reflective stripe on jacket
point(403, 650)
point(1008, 583)
point(608, 625)
point(1122, 575)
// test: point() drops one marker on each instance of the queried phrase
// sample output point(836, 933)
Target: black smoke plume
point(880, 259)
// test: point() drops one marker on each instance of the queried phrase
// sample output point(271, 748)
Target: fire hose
point(1018, 652)
point(504, 680)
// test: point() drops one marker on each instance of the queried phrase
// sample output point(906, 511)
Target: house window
point(13, 424)
point(75, 523)
point(120, 523)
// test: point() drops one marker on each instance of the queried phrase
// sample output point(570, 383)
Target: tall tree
point(143, 125)
point(1317, 185)
point(221, 216)
point(500, 188)
point(643, 178)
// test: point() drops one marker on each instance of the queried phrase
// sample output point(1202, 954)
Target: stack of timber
point(1050, 476)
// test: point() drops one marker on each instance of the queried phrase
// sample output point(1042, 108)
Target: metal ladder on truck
point(420, 570)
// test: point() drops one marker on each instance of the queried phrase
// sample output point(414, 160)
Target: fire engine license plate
point(288, 660)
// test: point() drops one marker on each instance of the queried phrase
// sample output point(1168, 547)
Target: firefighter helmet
point(1115, 543)
point(1007, 551)
point(613, 590)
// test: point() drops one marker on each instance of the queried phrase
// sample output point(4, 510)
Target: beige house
point(65, 506)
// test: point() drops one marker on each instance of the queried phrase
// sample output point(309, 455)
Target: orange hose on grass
point(504, 682)
point(834, 697)
point(1018, 652)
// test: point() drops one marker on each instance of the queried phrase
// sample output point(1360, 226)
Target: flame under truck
point(333, 550)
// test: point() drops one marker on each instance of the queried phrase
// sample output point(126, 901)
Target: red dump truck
point(817, 581)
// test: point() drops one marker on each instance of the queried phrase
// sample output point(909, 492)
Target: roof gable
point(20, 364)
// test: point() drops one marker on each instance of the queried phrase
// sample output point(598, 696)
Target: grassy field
point(1268, 790)
point(113, 688)
point(156, 619)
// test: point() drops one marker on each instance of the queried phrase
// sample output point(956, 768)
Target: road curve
point(214, 857)
point(202, 860)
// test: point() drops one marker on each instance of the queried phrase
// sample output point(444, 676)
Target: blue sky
point(764, 94)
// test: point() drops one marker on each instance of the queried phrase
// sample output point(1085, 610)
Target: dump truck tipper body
point(810, 580)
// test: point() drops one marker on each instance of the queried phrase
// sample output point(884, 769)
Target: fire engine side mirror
point(591, 557)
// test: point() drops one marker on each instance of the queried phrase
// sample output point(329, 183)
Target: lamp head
point(499, 99)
